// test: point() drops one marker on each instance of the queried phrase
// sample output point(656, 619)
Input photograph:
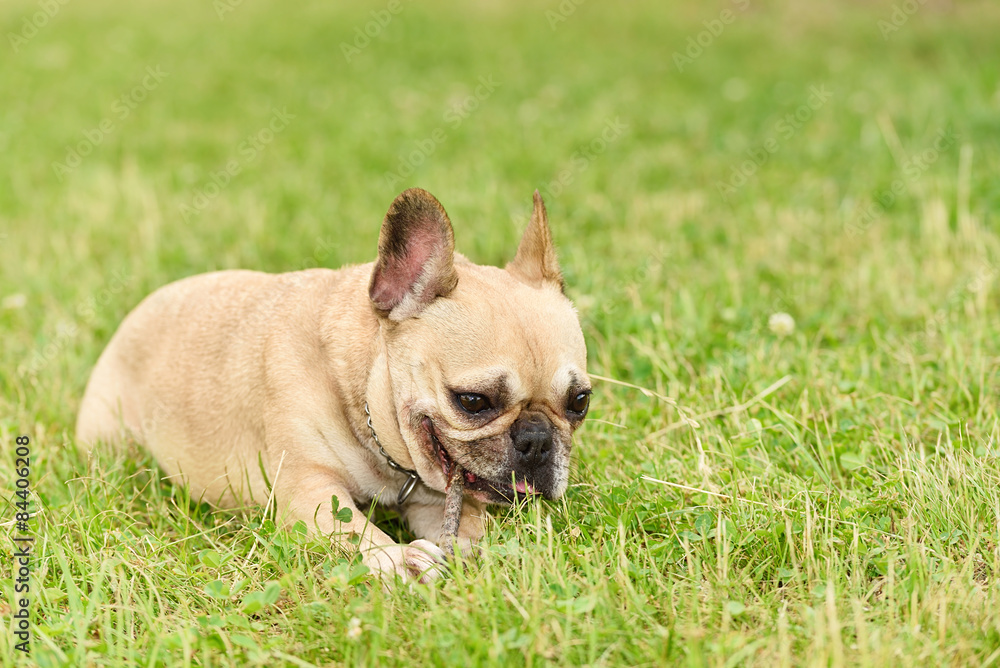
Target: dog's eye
point(580, 403)
point(473, 403)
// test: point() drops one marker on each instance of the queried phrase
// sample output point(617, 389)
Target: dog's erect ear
point(415, 256)
point(535, 262)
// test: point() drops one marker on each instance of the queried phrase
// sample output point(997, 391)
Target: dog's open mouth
point(491, 491)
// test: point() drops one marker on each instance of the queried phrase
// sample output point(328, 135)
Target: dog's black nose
point(532, 436)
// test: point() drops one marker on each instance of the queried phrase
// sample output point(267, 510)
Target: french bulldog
point(368, 383)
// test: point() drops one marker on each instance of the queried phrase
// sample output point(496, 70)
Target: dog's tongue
point(523, 487)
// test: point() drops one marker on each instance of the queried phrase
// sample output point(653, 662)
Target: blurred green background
point(706, 166)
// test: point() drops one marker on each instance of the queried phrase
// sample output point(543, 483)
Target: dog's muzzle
point(532, 437)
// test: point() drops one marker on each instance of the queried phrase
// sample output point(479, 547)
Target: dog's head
point(488, 366)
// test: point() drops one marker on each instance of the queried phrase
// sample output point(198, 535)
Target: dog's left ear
point(535, 262)
point(416, 250)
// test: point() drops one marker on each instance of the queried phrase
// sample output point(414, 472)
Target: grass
point(828, 497)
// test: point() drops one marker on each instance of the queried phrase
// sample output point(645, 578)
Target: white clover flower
point(14, 301)
point(354, 628)
point(781, 324)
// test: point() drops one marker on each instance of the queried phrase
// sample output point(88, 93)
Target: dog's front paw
point(425, 560)
point(421, 560)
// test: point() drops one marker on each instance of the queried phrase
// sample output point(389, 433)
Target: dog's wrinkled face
point(493, 378)
point(489, 374)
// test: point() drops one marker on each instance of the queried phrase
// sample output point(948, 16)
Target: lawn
point(750, 489)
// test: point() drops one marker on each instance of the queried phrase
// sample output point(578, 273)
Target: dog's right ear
point(416, 251)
